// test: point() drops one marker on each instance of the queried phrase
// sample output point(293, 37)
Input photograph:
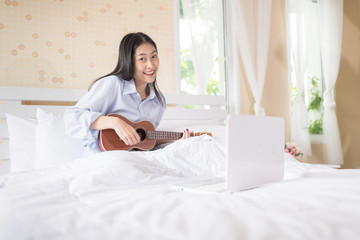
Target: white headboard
point(22, 101)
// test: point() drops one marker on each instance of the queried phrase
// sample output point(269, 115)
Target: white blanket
point(126, 195)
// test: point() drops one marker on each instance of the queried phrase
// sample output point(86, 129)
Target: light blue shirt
point(110, 95)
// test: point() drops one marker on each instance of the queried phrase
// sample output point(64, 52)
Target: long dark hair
point(124, 68)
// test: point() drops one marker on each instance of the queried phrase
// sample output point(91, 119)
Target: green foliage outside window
point(187, 72)
point(314, 107)
point(213, 87)
point(315, 127)
point(188, 81)
point(315, 104)
point(316, 99)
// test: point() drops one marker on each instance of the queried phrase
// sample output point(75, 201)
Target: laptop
point(254, 152)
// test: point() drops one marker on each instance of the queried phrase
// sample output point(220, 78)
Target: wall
point(348, 85)
point(67, 44)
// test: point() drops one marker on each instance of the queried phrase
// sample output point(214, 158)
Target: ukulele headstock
point(202, 133)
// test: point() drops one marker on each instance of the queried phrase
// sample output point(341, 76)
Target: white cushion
point(53, 147)
point(21, 143)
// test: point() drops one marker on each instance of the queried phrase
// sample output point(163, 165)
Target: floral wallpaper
point(69, 43)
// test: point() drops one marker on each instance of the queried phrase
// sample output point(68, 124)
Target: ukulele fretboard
point(163, 135)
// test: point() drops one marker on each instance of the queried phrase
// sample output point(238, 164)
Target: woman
point(130, 90)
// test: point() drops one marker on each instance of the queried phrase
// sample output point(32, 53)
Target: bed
point(128, 195)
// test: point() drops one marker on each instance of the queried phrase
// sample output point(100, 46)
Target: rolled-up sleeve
point(91, 106)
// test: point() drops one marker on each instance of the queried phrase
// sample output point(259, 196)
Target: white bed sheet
point(126, 195)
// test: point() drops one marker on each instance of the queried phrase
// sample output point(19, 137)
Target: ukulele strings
point(163, 135)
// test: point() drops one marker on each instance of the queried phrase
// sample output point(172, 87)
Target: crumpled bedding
point(127, 195)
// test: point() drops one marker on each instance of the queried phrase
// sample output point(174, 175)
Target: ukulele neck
point(164, 135)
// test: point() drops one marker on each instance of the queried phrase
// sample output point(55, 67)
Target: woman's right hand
point(125, 131)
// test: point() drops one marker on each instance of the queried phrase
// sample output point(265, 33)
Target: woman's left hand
point(187, 134)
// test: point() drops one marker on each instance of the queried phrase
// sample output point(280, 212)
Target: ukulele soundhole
point(141, 133)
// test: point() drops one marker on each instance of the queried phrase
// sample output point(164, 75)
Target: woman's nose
point(149, 64)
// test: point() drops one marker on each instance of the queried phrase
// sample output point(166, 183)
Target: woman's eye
point(154, 56)
point(141, 59)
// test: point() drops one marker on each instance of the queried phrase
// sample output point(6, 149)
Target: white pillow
point(21, 143)
point(53, 146)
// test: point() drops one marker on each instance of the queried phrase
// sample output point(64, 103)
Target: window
point(201, 47)
point(313, 81)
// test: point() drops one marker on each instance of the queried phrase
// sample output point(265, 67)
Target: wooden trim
point(48, 103)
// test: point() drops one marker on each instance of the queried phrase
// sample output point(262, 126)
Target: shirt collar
point(130, 88)
point(152, 92)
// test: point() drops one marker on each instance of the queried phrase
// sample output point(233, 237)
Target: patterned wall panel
point(69, 43)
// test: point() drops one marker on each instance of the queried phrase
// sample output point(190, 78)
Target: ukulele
point(109, 140)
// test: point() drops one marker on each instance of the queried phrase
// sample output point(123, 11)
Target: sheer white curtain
point(297, 15)
point(331, 18)
point(203, 22)
point(232, 58)
point(252, 35)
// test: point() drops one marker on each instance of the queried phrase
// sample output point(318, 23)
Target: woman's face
point(146, 64)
